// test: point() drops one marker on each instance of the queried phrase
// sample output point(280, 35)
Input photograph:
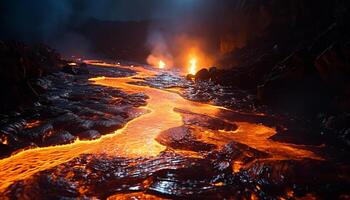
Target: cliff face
point(260, 25)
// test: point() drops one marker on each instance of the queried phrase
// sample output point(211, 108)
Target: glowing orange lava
point(137, 138)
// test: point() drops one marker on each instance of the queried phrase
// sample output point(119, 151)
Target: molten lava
point(161, 64)
point(193, 66)
point(137, 138)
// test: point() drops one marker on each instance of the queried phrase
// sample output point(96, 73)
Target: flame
point(193, 66)
point(160, 61)
point(161, 64)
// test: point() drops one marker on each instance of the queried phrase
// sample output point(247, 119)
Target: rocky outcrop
point(21, 66)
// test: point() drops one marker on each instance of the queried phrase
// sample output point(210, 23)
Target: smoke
point(42, 21)
point(55, 21)
point(179, 27)
point(159, 49)
point(190, 30)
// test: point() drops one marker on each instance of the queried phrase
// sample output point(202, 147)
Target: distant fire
point(193, 66)
point(161, 64)
point(72, 64)
point(160, 61)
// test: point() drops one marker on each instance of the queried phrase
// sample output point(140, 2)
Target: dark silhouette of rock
point(75, 68)
point(202, 75)
point(89, 135)
point(63, 137)
point(20, 66)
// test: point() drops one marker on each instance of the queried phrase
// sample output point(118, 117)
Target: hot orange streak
point(136, 139)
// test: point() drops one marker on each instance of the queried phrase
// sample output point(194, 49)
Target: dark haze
point(60, 23)
point(136, 29)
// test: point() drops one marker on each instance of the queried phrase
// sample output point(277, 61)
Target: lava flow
point(137, 138)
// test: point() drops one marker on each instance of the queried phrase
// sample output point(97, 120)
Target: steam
point(182, 35)
point(178, 28)
point(159, 49)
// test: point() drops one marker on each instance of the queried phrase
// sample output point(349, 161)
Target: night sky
point(38, 20)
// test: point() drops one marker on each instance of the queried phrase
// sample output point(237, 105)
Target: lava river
point(137, 138)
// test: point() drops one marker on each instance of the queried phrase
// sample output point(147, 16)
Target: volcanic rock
point(202, 75)
point(108, 125)
point(20, 66)
point(76, 68)
point(58, 138)
point(38, 133)
point(333, 67)
point(89, 135)
point(181, 138)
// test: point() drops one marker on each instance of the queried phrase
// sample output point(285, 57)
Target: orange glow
point(161, 64)
point(237, 166)
point(135, 195)
point(4, 140)
point(72, 64)
point(193, 66)
point(160, 61)
point(33, 124)
point(188, 48)
point(137, 137)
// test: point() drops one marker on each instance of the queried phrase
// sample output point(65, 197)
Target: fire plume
point(161, 64)
point(193, 66)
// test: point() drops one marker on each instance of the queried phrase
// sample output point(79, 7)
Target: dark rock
point(14, 127)
point(38, 133)
point(20, 66)
point(214, 74)
point(72, 123)
point(182, 138)
point(190, 77)
point(51, 111)
point(70, 69)
point(108, 125)
point(88, 135)
point(65, 119)
point(294, 85)
point(202, 75)
point(83, 69)
point(76, 68)
point(43, 84)
point(337, 122)
point(57, 138)
point(333, 66)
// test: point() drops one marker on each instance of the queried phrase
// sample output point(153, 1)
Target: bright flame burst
point(193, 66)
point(161, 64)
